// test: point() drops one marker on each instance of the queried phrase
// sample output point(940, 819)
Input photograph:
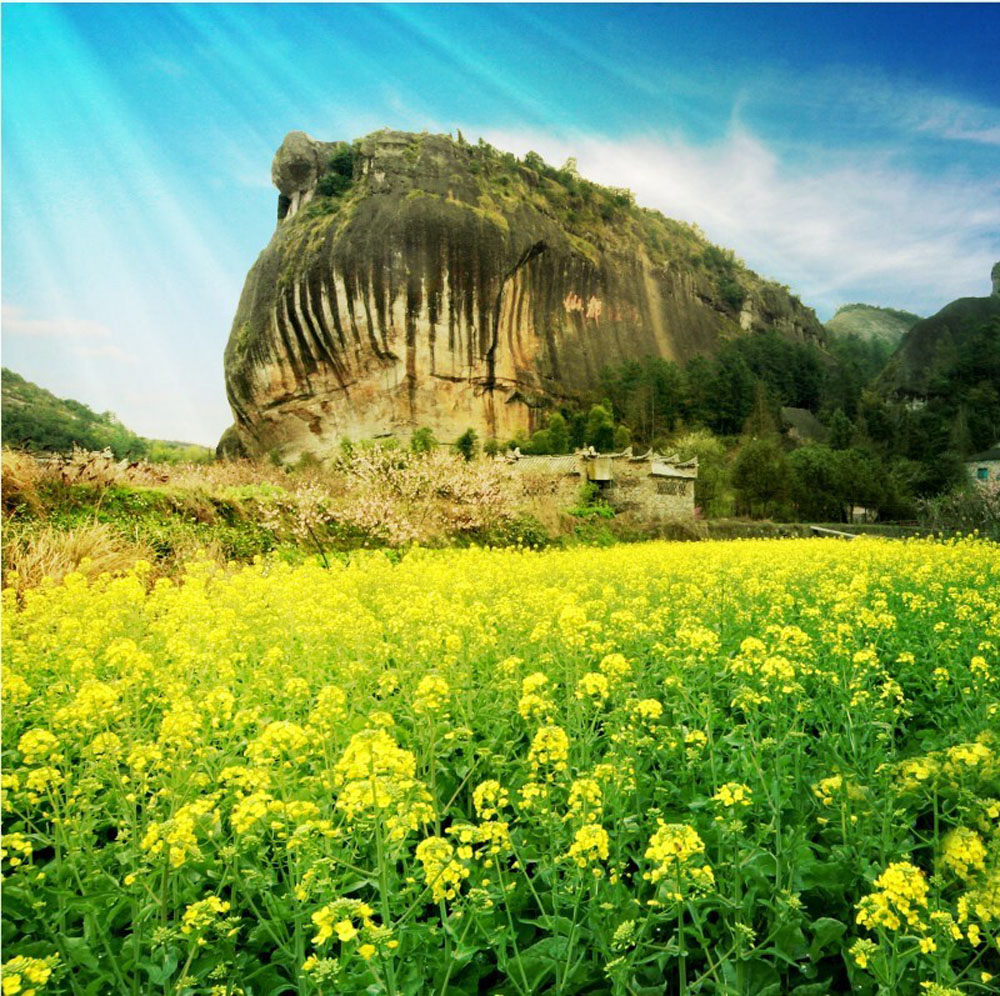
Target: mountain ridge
point(36, 419)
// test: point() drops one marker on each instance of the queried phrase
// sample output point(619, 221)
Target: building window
point(983, 473)
point(670, 487)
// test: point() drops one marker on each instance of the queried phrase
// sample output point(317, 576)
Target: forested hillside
point(35, 419)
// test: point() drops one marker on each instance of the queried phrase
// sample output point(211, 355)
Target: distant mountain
point(871, 323)
point(35, 419)
point(959, 346)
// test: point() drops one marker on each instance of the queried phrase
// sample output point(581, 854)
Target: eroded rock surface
point(446, 285)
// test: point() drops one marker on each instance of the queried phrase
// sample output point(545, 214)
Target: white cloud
point(853, 226)
point(14, 322)
point(925, 113)
point(108, 351)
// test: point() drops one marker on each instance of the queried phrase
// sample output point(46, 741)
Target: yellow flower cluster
point(345, 918)
point(549, 749)
point(900, 898)
point(678, 857)
point(490, 798)
point(201, 914)
point(593, 686)
point(590, 844)
point(733, 794)
point(963, 852)
point(443, 874)
point(431, 696)
point(25, 976)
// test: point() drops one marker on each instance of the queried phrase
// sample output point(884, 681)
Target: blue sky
point(851, 152)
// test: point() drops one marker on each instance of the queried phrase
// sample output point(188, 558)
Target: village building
point(984, 468)
point(650, 485)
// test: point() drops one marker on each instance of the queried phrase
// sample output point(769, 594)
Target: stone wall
point(991, 468)
point(633, 487)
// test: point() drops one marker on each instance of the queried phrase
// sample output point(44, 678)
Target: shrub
point(422, 441)
point(467, 444)
point(623, 437)
point(965, 510)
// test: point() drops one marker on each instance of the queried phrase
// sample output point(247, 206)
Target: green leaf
point(543, 957)
point(825, 931)
point(790, 943)
point(160, 973)
point(812, 989)
point(557, 925)
point(79, 950)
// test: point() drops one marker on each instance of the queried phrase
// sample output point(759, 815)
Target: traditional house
point(984, 467)
point(651, 484)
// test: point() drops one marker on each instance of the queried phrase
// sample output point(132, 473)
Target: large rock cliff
point(413, 280)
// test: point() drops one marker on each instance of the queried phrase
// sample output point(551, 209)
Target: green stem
point(383, 889)
point(451, 960)
point(572, 941)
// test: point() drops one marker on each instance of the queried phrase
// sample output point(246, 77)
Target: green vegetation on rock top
point(500, 187)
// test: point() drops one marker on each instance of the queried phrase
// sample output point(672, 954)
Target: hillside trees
point(760, 477)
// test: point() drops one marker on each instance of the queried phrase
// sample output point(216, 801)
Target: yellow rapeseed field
point(757, 767)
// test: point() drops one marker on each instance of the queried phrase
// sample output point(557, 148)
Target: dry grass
point(21, 474)
point(29, 555)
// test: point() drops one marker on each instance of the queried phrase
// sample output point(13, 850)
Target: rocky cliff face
point(417, 281)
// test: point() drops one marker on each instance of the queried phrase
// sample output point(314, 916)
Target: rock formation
point(413, 280)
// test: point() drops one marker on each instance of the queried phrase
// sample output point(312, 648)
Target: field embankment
point(91, 509)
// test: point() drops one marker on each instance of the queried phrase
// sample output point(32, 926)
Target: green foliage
point(919, 442)
point(732, 293)
point(558, 433)
point(712, 493)
point(167, 451)
point(342, 162)
point(761, 478)
point(590, 503)
point(600, 429)
point(903, 316)
point(339, 174)
point(468, 443)
point(817, 483)
point(623, 438)
point(764, 417)
point(540, 442)
point(332, 185)
point(36, 420)
point(647, 395)
point(841, 430)
point(423, 441)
